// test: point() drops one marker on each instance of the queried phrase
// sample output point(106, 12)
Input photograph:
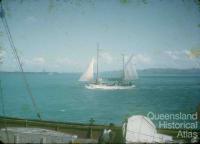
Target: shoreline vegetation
point(83, 130)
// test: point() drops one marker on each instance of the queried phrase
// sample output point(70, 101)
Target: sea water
point(61, 97)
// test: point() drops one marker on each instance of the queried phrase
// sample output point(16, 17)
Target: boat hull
point(108, 87)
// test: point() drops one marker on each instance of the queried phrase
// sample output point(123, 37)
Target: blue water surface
point(61, 97)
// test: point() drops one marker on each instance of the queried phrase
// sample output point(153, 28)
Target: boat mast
point(97, 78)
point(123, 67)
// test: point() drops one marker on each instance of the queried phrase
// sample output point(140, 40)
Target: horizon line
point(182, 69)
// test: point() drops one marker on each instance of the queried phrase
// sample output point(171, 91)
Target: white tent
point(161, 138)
point(140, 129)
point(34, 135)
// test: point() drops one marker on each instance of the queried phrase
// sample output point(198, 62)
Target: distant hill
point(171, 71)
point(149, 71)
point(156, 71)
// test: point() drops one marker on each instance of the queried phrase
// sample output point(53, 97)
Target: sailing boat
point(89, 73)
point(128, 75)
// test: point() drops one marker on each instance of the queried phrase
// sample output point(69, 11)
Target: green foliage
point(197, 2)
point(6, 7)
point(124, 1)
point(51, 5)
point(145, 1)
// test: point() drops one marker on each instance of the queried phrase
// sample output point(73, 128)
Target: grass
point(81, 130)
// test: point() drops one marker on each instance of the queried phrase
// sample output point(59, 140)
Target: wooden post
point(89, 135)
point(43, 140)
point(57, 128)
point(16, 139)
point(26, 123)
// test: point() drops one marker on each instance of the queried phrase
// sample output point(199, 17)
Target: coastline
point(82, 130)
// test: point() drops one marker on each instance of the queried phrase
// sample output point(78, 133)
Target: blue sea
point(61, 97)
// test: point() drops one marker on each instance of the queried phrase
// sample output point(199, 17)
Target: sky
point(62, 35)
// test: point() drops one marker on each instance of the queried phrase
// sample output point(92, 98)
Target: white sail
point(130, 72)
point(89, 73)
